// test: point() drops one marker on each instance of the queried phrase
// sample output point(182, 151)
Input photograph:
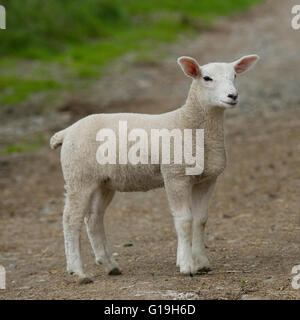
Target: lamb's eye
point(206, 78)
point(234, 76)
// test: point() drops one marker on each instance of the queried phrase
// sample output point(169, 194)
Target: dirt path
point(253, 231)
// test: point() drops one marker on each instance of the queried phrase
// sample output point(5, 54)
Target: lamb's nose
point(232, 96)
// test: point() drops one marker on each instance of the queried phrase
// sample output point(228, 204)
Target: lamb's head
point(214, 83)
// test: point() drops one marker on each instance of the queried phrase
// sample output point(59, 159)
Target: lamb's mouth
point(231, 103)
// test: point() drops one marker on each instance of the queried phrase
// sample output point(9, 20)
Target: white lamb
point(90, 186)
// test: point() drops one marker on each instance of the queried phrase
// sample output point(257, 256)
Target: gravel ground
point(254, 224)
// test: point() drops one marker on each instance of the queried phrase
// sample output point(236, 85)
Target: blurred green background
point(49, 45)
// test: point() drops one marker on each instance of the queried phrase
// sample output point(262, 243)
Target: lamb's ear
point(245, 63)
point(189, 66)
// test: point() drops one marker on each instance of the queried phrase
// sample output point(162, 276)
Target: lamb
point(90, 186)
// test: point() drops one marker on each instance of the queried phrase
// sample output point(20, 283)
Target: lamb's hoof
point(114, 272)
point(187, 274)
point(188, 270)
point(202, 264)
point(204, 270)
point(85, 280)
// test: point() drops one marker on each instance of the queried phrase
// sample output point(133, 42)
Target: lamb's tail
point(57, 139)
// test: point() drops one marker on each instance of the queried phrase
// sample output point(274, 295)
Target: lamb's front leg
point(201, 195)
point(179, 196)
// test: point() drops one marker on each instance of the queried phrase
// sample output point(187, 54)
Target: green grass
point(15, 90)
point(82, 37)
point(41, 28)
point(25, 145)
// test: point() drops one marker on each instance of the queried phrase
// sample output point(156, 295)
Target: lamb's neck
point(195, 116)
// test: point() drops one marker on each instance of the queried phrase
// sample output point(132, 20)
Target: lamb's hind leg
point(200, 196)
point(96, 231)
point(76, 206)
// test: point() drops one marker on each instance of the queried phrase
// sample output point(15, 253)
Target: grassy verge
point(28, 144)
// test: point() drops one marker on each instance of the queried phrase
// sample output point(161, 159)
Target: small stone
point(128, 244)
point(45, 210)
point(269, 280)
point(85, 280)
point(52, 201)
